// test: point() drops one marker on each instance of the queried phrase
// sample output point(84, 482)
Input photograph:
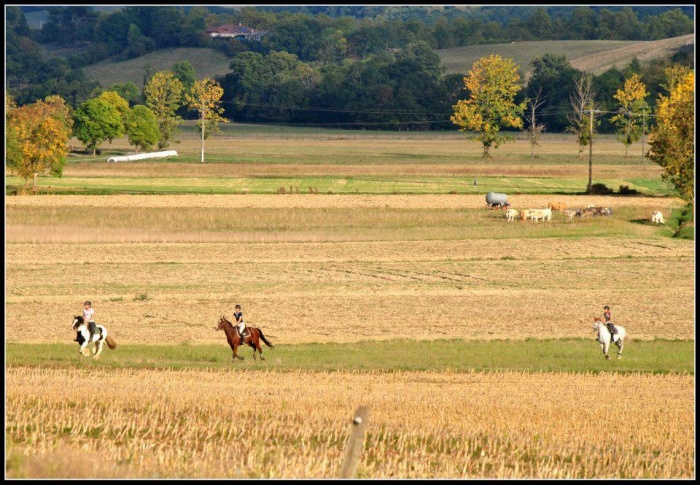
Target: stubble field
point(344, 268)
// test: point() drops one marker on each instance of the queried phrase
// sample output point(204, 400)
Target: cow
point(571, 213)
point(537, 214)
point(557, 206)
point(657, 217)
point(511, 214)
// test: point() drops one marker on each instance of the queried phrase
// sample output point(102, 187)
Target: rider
point(89, 317)
point(607, 314)
point(238, 317)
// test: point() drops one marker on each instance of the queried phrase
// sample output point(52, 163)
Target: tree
point(632, 109)
point(37, 137)
point(122, 107)
point(493, 83)
point(97, 120)
point(206, 100)
point(671, 140)
point(141, 127)
point(128, 91)
point(581, 99)
point(164, 96)
point(535, 129)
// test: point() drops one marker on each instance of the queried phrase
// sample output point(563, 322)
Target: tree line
point(323, 41)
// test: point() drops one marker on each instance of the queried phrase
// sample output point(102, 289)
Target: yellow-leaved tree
point(164, 96)
point(631, 117)
point(205, 98)
point(39, 134)
point(672, 139)
point(493, 83)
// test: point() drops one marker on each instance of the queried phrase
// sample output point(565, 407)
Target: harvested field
point(421, 425)
point(335, 201)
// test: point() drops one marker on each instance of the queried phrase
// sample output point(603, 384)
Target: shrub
point(599, 189)
point(625, 190)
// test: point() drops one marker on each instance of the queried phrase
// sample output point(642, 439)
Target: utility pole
point(644, 129)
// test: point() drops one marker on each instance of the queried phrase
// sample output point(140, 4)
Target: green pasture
point(551, 355)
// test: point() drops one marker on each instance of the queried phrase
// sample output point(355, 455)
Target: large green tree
point(142, 127)
point(493, 83)
point(96, 120)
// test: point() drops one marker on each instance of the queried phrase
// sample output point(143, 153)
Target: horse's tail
point(111, 343)
point(262, 337)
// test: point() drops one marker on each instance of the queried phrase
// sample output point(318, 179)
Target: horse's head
point(222, 323)
point(77, 322)
point(597, 322)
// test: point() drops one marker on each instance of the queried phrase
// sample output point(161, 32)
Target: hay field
point(159, 424)
point(342, 269)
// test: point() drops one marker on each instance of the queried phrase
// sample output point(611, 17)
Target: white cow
point(511, 214)
point(537, 214)
point(657, 217)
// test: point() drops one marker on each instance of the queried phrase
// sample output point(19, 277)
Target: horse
point(604, 337)
point(84, 339)
point(234, 338)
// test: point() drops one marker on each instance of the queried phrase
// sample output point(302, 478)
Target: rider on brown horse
point(238, 318)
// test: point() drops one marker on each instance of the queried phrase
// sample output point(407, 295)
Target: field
point(381, 280)
point(595, 56)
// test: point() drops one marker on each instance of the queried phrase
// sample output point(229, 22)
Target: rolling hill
point(206, 63)
point(595, 56)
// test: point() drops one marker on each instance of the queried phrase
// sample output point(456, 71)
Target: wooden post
point(590, 153)
point(356, 441)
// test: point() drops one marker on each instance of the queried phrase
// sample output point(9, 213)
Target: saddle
point(246, 333)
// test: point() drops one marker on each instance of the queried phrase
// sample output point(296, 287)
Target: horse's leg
point(98, 348)
point(83, 349)
point(620, 344)
point(259, 349)
point(235, 355)
point(605, 350)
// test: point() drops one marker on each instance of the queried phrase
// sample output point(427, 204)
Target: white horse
point(99, 337)
point(604, 337)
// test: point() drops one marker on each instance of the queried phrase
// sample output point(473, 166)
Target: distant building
point(235, 32)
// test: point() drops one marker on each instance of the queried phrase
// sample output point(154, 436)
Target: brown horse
point(234, 338)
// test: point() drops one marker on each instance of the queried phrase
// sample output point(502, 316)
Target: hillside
point(206, 63)
point(595, 56)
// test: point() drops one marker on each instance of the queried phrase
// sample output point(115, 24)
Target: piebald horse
point(99, 338)
point(604, 337)
point(252, 338)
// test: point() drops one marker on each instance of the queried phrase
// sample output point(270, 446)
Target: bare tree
point(535, 129)
point(581, 100)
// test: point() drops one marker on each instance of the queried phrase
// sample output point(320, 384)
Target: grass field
point(468, 337)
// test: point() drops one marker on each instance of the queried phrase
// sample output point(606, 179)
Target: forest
point(365, 67)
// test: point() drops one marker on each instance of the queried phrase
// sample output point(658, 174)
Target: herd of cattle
point(546, 214)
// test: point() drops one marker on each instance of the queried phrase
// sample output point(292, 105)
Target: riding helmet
point(87, 303)
point(606, 307)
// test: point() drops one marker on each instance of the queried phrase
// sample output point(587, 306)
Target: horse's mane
point(226, 320)
point(80, 318)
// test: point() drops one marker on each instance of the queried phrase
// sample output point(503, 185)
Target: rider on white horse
point(607, 314)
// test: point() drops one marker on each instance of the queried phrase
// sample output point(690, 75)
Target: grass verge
point(532, 355)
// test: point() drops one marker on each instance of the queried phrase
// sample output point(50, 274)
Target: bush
point(599, 189)
point(625, 190)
